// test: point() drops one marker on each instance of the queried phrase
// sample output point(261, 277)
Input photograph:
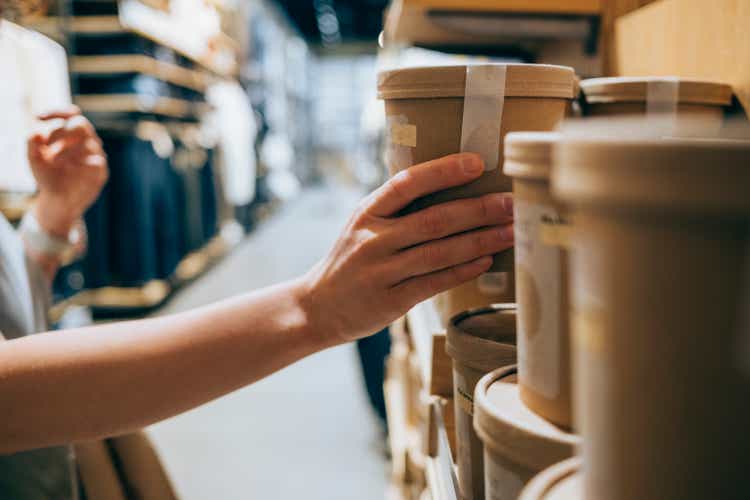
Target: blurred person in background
point(90, 383)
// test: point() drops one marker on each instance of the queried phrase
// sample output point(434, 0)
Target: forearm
point(59, 387)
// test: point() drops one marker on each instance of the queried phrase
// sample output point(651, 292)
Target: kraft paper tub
point(436, 111)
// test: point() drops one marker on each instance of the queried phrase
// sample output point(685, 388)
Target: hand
point(70, 168)
point(383, 263)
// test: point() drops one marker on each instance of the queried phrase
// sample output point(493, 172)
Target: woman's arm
point(59, 387)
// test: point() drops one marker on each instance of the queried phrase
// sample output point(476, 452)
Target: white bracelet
point(40, 241)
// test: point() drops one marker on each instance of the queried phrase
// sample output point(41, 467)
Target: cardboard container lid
point(686, 175)
point(562, 481)
point(508, 427)
point(521, 80)
point(528, 155)
point(485, 338)
point(635, 89)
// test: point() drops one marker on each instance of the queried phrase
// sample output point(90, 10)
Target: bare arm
point(93, 382)
point(80, 384)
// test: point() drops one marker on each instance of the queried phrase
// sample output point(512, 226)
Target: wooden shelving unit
point(688, 38)
point(137, 63)
point(132, 103)
point(420, 422)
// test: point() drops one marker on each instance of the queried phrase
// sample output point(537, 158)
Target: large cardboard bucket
point(518, 443)
point(689, 107)
point(660, 286)
point(437, 111)
point(478, 341)
point(541, 227)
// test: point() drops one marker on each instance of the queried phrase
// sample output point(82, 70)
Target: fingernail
point(470, 164)
point(484, 262)
point(508, 204)
point(506, 232)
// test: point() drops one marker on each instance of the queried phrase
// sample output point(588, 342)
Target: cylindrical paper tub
point(518, 443)
point(659, 293)
point(541, 227)
point(479, 341)
point(437, 111)
point(562, 481)
point(487, 289)
point(696, 106)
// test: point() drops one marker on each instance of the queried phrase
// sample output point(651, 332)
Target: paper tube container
point(425, 110)
point(518, 443)
point(541, 230)
point(696, 106)
point(562, 481)
point(478, 341)
point(659, 296)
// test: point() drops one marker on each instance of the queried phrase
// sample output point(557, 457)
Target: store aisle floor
point(303, 433)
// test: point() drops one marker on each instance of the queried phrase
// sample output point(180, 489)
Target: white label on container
point(404, 134)
point(539, 287)
point(398, 154)
point(493, 283)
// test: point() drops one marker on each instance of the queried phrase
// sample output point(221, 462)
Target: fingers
point(449, 252)
point(454, 217)
point(76, 129)
point(74, 154)
point(66, 113)
point(35, 146)
point(422, 179)
point(63, 154)
point(421, 288)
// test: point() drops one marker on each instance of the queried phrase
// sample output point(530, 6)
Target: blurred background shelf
point(143, 64)
point(130, 103)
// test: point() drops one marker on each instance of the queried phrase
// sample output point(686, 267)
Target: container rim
point(522, 80)
point(500, 433)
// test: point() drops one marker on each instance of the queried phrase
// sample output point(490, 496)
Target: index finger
point(66, 113)
point(425, 178)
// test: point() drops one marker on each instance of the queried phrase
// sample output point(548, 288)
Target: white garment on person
point(235, 123)
point(34, 80)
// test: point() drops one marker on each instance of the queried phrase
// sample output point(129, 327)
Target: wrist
point(54, 216)
point(319, 325)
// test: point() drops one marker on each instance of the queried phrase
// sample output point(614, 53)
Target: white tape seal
point(662, 98)
point(484, 98)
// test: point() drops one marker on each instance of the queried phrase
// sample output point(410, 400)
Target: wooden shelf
point(424, 324)
point(136, 63)
point(55, 26)
point(490, 23)
point(440, 470)
point(133, 103)
point(218, 55)
point(215, 51)
point(527, 6)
